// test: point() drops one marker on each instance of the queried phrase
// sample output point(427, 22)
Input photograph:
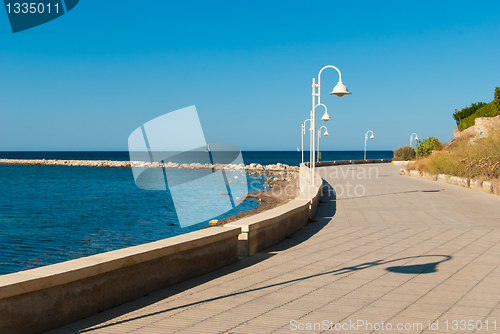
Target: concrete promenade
point(404, 251)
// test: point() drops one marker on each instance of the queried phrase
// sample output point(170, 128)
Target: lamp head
point(416, 138)
point(372, 136)
point(326, 133)
point(340, 90)
point(326, 117)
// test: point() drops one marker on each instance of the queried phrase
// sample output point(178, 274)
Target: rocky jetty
point(278, 172)
point(271, 173)
point(85, 163)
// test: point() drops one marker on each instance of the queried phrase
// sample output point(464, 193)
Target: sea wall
point(272, 226)
point(349, 162)
point(36, 300)
point(44, 298)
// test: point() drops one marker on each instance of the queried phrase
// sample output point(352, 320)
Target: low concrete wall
point(37, 300)
point(272, 226)
point(349, 162)
point(401, 163)
point(485, 186)
point(40, 299)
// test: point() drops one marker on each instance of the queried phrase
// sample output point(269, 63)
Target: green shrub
point(488, 110)
point(467, 111)
point(444, 162)
point(466, 117)
point(404, 153)
point(497, 98)
point(478, 159)
point(426, 146)
point(467, 123)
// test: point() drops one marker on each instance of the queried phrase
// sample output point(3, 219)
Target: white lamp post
point(319, 136)
point(340, 90)
point(411, 138)
point(366, 138)
point(325, 118)
point(303, 132)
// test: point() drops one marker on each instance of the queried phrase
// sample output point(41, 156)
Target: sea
point(51, 214)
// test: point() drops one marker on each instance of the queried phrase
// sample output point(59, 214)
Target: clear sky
point(86, 80)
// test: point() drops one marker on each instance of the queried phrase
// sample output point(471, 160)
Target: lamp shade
point(326, 117)
point(340, 90)
point(372, 136)
point(326, 133)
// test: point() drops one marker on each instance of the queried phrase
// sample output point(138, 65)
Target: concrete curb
point(485, 186)
point(401, 163)
point(349, 162)
point(270, 227)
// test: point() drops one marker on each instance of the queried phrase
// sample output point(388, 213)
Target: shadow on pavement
point(411, 269)
point(326, 210)
point(395, 193)
point(324, 214)
point(426, 268)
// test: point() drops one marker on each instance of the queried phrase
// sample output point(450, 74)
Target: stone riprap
point(85, 163)
point(143, 164)
point(280, 172)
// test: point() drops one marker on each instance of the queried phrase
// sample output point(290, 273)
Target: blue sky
point(86, 80)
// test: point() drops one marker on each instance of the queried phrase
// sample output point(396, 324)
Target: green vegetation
point(459, 115)
point(469, 156)
point(496, 101)
point(426, 146)
point(465, 157)
point(489, 110)
point(404, 153)
point(466, 117)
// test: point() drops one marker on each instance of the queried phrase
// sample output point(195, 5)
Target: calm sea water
point(50, 214)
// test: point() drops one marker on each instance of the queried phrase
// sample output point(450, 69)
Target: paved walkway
point(406, 252)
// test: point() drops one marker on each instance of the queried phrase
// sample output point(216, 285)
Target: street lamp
point(340, 90)
point(303, 132)
point(411, 138)
point(325, 118)
point(366, 138)
point(319, 136)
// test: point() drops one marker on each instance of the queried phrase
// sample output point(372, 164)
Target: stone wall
point(481, 128)
point(272, 226)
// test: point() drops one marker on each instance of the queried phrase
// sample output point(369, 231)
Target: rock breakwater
point(278, 171)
